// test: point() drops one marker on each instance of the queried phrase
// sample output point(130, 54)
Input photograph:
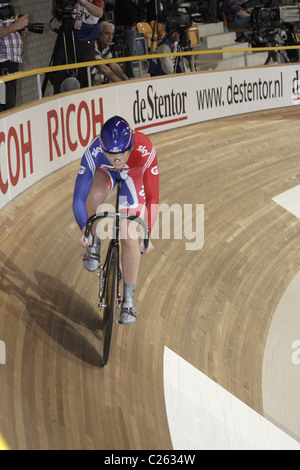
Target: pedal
point(119, 301)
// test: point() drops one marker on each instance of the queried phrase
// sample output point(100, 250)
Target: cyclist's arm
point(82, 188)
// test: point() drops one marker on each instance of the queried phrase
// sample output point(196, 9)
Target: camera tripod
point(184, 45)
point(277, 56)
point(64, 52)
point(273, 56)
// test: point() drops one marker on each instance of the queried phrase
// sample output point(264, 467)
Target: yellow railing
point(39, 71)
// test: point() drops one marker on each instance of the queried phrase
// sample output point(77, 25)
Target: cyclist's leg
point(131, 201)
point(130, 265)
point(130, 253)
point(99, 191)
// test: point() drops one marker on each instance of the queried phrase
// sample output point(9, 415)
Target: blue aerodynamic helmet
point(116, 135)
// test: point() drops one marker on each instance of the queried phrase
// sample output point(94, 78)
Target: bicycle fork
point(101, 287)
point(102, 279)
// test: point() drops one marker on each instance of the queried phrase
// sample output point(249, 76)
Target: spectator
point(112, 72)
point(237, 15)
point(75, 41)
point(11, 50)
point(166, 65)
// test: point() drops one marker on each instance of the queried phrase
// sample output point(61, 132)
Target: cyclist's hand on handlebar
point(81, 241)
point(149, 249)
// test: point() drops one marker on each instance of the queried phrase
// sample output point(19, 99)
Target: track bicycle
point(110, 273)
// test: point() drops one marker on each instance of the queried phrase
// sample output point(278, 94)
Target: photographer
point(76, 36)
point(166, 65)
point(12, 29)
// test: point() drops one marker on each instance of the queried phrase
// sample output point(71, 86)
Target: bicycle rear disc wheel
point(110, 302)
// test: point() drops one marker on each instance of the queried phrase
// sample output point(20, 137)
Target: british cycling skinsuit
point(140, 189)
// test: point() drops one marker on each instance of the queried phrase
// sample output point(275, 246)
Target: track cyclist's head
point(116, 140)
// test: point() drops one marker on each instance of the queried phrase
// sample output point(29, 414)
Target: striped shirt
point(11, 46)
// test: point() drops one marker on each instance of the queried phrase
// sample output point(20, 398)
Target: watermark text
point(296, 354)
point(175, 222)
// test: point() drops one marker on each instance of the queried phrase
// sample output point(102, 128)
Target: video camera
point(7, 12)
point(270, 16)
point(189, 13)
point(178, 21)
point(63, 9)
point(275, 25)
point(181, 20)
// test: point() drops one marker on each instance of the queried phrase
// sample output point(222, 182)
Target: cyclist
point(118, 153)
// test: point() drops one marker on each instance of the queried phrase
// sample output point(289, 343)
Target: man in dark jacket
point(127, 14)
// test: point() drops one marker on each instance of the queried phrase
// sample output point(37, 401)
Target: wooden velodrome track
point(213, 307)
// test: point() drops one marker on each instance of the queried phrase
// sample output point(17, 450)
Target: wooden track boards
point(213, 307)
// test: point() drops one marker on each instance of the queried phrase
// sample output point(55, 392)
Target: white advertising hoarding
point(44, 137)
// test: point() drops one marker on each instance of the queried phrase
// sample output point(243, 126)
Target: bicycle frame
point(114, 242)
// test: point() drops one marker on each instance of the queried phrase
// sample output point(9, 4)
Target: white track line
point(290, 200)
point(204, 416)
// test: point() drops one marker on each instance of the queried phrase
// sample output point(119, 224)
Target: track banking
point(240, 92)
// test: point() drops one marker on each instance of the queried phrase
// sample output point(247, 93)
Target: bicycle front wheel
point(110, 302)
